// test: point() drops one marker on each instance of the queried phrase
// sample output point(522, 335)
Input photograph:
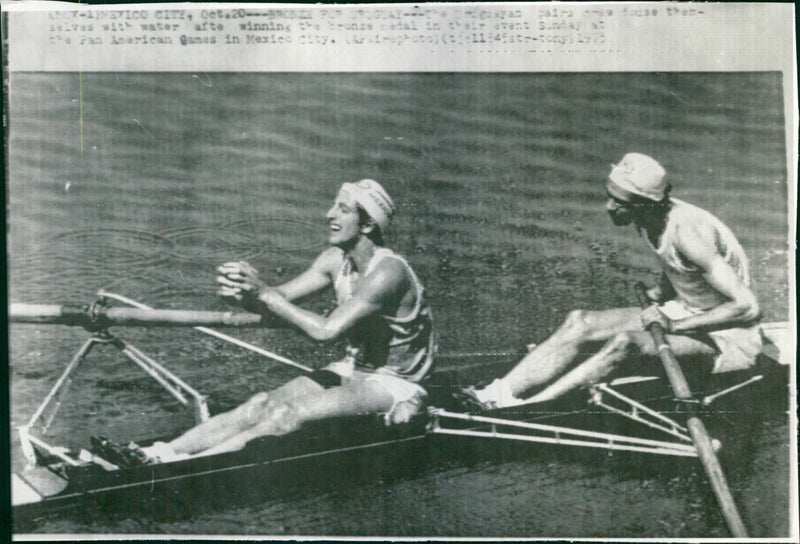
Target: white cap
point(641, 175)
point(369, 194)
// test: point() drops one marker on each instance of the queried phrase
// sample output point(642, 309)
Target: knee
point(282, 418)
point(268, 416)
point(622, 344)
point(258, 398)
point(618, 348)
point(254, 408)
point(577, 325)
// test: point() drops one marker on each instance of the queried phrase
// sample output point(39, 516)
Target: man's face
point(343, 220)
point(621, 210)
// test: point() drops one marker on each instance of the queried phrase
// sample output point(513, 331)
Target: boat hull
point(362, 448)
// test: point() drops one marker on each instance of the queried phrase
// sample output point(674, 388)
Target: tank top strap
point(344, 280)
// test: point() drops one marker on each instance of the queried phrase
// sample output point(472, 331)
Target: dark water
point(142, 183)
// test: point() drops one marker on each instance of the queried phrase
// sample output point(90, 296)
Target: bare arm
point(697, 245)
point(661, 292)
point(240, 282)
point(317, 277)
point(377, 290)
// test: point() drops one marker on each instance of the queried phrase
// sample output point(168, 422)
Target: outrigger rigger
point(62, 477)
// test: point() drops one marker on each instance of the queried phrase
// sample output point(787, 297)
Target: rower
point(381, 311)
point(704, 301)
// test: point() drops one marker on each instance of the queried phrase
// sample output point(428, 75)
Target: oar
point(217, 334)
point(100, 317)
point(697, 430)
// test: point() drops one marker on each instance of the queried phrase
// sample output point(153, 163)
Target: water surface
point(143, 183)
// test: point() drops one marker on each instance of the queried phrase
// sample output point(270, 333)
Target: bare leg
point(555, 354)
point(620, 347)
point(356, 397)
point(223, 426)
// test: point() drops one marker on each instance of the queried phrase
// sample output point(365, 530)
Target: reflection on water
point(498, 180)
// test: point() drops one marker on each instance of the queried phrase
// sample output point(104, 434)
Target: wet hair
point(365, 219)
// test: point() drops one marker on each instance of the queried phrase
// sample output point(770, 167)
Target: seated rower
point(704, 301)
point(381, 311)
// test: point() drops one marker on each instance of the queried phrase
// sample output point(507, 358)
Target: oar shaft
point(697, 430)
point(135, 317)
point(716, 477)
point(128, 317)
point(217, 334)
point(45, 313)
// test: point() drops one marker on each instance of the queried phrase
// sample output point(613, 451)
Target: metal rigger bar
point(560, 435)
point(637, 412)
point(44, 415)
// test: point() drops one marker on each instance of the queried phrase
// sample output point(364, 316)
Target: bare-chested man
point(704, 300)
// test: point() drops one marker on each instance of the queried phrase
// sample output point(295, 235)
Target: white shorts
point(407, 396)
point(737, 347)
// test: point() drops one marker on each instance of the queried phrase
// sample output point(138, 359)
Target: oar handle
point(680, 387)
point(697, 430)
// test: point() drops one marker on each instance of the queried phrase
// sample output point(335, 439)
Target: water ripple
point(210, 244)
point(282, 234)
point(110, 247)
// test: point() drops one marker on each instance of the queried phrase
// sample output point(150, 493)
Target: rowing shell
point(343, 450)
point(356, 446)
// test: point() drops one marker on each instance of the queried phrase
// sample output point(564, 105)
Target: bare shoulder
point(389, 277)
point(329, 261)
point(391, 268)
point(696, 240)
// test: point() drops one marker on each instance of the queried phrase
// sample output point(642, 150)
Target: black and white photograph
point(465, 271)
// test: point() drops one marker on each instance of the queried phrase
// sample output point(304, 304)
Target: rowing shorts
point(407, 397)
point(737, 347)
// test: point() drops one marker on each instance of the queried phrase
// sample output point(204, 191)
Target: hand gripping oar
point(217, 334)
point(697, 430)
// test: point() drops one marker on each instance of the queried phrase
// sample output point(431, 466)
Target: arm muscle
point(697, 244)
